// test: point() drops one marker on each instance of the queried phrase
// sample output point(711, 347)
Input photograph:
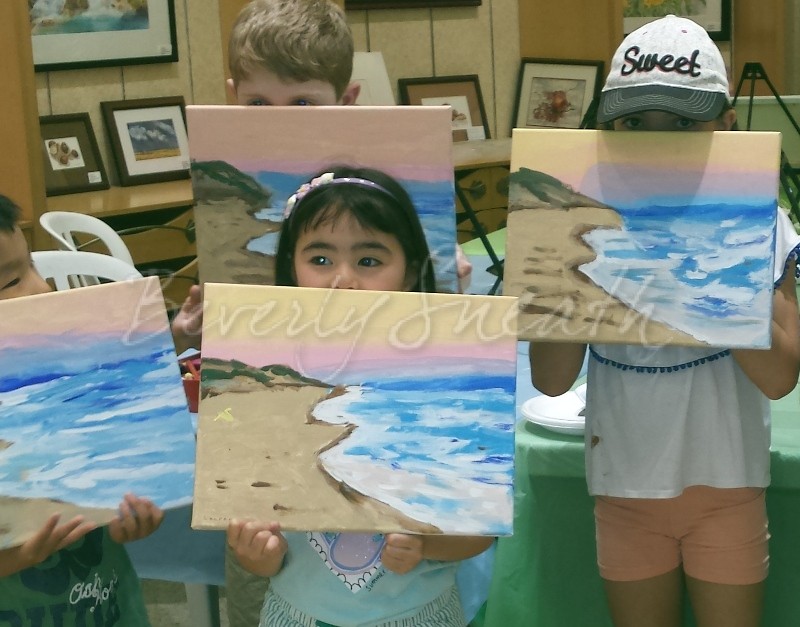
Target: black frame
point(77, 127)
point(472, 81)
point(103, 49)
point(112, 123)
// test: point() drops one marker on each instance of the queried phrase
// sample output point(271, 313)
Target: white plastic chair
point(63, 225)
point(67, 268)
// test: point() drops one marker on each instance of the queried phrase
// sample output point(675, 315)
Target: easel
point(790, 181)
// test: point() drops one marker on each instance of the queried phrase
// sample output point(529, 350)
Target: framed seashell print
point(72, 160)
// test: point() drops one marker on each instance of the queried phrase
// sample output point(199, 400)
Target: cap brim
point(694, 104)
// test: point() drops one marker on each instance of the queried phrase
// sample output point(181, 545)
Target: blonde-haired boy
point(291, 52)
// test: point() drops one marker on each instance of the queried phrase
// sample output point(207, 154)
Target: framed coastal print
point(713, 15)
point(148, 139)
point(97, 33)
point(71, 157)
point(461, 93)
point(555, 93)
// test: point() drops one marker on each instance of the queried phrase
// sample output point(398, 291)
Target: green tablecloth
point(546, 575)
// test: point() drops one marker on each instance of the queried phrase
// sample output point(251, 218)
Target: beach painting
point(643, 238)
point(91, 406)
point(247, 161)
point(348, 410)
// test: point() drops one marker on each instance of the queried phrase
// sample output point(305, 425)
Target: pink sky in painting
point(315, 358)
point(412, 142)
point(113, 309)
point(631, 184)
point(630, 167)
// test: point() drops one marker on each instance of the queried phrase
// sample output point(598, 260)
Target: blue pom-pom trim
point(659, 369)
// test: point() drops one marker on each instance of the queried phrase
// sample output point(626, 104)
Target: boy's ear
point(350, 94)
point(230, 88)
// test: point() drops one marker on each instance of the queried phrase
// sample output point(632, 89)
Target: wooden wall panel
point(760, 30)
point(570, 29)
point(21, 167)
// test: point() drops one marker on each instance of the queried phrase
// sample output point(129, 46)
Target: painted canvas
point(246, 162)
point(643, 238)
point(91, 406)
point(348, 410)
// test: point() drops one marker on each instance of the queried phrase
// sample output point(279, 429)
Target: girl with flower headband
point(367, 200)
point(354, 228)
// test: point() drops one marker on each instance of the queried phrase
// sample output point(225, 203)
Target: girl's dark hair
point(373, 209)
point(9, 214)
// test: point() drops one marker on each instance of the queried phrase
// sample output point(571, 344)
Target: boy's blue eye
point(369, 262)
point(320, 260)
point(302, 102)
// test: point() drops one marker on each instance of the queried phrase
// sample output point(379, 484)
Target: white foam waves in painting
point(404, 458)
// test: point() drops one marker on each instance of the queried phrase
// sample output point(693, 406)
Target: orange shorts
point(718, 535)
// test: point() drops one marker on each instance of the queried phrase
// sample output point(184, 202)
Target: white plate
point(562, 414)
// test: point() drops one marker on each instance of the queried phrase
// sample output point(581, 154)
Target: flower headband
point(329, 179)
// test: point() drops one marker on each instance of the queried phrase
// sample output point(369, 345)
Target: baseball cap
point(669, 65)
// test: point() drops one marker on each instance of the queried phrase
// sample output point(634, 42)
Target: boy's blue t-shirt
point(310, 586)
point(90, 583)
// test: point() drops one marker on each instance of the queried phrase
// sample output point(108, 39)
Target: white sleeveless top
point(661, 419)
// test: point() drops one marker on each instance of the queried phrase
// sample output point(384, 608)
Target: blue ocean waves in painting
point(87, 426)
point(422, 443)
point(698, 285)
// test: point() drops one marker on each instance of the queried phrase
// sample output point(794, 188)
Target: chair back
point(66, 268)
point(62, 226)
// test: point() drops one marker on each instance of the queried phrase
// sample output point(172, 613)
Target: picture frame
point(408, 4)
point(713, 15)
point(99, 35)
point(555, 93)
point(71, 155)
point(148, 139)
point(462, 93)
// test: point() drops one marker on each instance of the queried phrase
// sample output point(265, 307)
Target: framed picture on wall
point(99, 33)
point(148, 139)
point(555, 93)
point(461, 93)
point(713, 15)
point(71, 157)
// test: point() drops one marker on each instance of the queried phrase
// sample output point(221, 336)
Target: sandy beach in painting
point(557, 301)
point(271, 470)
point(29, 510)
point(227, 227)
